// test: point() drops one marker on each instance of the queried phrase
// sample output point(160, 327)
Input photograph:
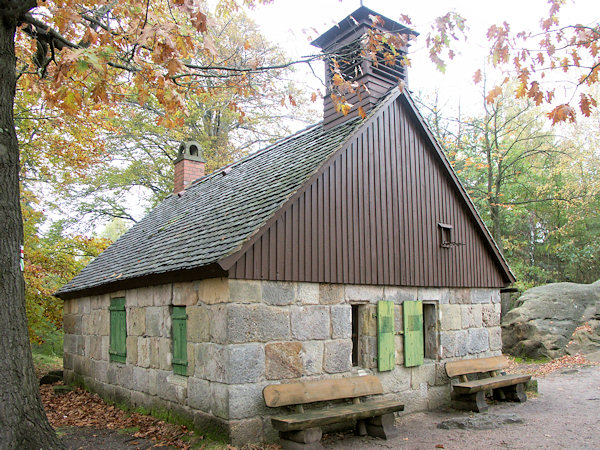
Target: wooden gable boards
point(371, 215)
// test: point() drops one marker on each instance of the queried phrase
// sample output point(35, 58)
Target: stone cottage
point(347, 248)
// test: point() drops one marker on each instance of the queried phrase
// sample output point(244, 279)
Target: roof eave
point(190, 274)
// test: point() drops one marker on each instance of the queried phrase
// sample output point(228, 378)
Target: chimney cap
point(358, 19)
point(190, 150)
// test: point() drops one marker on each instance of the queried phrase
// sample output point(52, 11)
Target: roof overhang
point(196, 273)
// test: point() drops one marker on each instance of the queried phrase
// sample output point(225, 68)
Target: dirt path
point(84, 438)
point(565, 414)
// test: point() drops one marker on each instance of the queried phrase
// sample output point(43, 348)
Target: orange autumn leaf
point(337, 79)
point(361, 112)
point(562, 113)
point(586, 103)
point(493, 94)
point(292, 101)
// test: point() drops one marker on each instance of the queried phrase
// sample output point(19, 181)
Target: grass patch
point(44, 363)
point(130, 430)
point(527, 360)
point(209, 438)
point(44, 360)
point(60, 432)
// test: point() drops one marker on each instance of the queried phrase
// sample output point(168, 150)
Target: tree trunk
point(23, 422)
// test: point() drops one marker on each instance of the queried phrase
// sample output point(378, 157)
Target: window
point(118, 330)
point(446, 238)
point(180, 362)
point(355, 336)
point(374, 336)
point(430, 330)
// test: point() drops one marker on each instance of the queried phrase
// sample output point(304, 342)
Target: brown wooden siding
point(371, 217)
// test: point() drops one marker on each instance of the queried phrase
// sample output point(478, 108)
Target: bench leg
point(308, 439)
point(469, 402)
point(382, 426)
point(499, 394)
point(361, 428)
point(515, 393)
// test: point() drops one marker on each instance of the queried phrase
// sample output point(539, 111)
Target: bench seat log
point(490, 383)
point(320, 417)
point(470, 395)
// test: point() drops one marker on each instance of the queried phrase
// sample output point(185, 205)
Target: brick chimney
point(346, 43)
point(189, 165)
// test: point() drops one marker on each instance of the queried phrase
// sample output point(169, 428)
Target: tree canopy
point(535, 58)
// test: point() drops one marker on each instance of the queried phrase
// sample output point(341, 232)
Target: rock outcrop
point(553, 320)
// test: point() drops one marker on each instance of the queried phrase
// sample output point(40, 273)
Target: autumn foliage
point(50, 261)
point(537, 59)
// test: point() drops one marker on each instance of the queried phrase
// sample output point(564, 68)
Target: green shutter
point(413, 333)
point(386, 352)
point(180, 362)
point(118, 330)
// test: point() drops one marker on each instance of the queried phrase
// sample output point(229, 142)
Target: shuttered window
point(386, 352)
point(118, 330)
point(413, 333)
point(180, 362)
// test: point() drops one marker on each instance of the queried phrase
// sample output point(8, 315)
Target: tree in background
point(495, 150)
point(537, 191)
point(50, 261)
point(227, 124)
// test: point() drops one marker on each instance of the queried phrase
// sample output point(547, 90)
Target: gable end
point(370, 215)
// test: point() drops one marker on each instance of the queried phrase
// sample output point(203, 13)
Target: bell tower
point(368, 50)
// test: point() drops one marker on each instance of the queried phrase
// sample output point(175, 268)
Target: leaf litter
point(540, 370)
point(79, 408)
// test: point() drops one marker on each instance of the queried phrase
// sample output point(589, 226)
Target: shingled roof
point(214, 216)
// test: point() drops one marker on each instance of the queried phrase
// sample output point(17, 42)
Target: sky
point(294, 23)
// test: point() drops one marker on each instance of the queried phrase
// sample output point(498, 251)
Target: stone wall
point(244, 335)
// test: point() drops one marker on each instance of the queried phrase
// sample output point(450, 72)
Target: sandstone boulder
point(553, 320)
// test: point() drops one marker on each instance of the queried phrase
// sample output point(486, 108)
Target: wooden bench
point(470, 394)
point(302, 429)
